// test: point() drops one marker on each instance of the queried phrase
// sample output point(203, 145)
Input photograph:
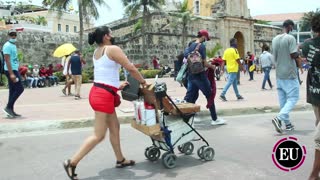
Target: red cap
point(205, 33)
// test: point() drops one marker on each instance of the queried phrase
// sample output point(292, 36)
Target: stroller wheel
point(200, 151)
point(188, 148)
point(169, 160)
point(208, 154)
point(152, 153)
point(180, 148)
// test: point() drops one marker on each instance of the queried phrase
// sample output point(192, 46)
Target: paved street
point(243, 151)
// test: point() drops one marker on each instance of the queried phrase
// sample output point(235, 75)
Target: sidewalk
point(48, 105)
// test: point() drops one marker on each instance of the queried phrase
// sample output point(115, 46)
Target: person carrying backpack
point(11, 67)
point(197, 77)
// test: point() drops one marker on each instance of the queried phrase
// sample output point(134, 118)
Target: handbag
point(117, 100)
point(182, 73)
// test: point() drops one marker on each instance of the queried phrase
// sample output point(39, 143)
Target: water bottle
point(142, 113)
point(150, 114)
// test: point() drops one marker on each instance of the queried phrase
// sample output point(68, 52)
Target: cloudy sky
point(257, 7)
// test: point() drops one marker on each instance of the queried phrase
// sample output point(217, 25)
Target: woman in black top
point(311, 50)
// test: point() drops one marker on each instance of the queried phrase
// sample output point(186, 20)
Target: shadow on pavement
point(205, 125)
point(150, 169)
point(300, 132)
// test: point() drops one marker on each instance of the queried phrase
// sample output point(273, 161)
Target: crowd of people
point(35, 77)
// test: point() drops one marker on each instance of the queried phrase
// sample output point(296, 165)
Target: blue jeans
point(251, 75)
point(53, 80)
point(266, 71)
point(15, 89)
point(196, 82)
point(288, 93)
point(232, 79)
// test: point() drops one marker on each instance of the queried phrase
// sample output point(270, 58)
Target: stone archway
point(240, 39)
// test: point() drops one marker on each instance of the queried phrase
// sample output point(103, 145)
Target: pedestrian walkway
point(50, 104)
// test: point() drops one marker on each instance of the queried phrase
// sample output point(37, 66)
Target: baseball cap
point(12, 31)
point(205, 33)
point(287, 23)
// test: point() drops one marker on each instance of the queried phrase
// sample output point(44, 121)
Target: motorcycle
point(218, 63)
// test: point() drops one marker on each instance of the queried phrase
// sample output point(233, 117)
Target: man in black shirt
point(76, 62)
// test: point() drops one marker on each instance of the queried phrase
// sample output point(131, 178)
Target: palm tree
point(134, 7)
point(86, 9)
point(41, 20)
point(185, 18)
point(306, 19)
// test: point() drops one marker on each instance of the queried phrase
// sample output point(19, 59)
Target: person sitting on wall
point(43, 74)
point(53, 80)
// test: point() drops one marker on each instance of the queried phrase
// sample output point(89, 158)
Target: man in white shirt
point(266, 60)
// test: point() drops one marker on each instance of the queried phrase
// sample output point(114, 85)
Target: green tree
point(262, 22)
point(306, 19)
point(185, 17)
point(41, 20)
point(86, 9)
point(212, 53)
point(134, 7)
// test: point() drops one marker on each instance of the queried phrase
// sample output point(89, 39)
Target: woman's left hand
point(123, 85)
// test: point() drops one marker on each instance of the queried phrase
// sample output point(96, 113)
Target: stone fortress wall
point(38, 47)
point(163, 39)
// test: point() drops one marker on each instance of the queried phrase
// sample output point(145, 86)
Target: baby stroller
point(173, 130)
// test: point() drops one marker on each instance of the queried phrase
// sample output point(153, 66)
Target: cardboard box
point(147, 130)
point(186, 108)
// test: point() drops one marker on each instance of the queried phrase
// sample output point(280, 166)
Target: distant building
point(219, 7)
point(66, 23)
point(278, 19)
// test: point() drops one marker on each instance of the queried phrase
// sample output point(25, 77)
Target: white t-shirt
point(64, 63)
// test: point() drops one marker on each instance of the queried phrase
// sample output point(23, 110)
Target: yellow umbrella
point(64, 50)
point(252, 68)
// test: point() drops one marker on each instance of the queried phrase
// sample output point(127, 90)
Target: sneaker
point(289, 127)
point(9, 112)
point(223, 98)
point(77, 97)
point(240, 97)
point(277, 124)
point(64, 92)
point(219, 121)
point(16, 115)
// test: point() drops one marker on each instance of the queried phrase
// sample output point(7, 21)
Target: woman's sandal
point(70, 170)
point(122, 164)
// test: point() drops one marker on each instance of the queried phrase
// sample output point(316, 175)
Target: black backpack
point(1, 66)
point(195, 61)
point(1, 62)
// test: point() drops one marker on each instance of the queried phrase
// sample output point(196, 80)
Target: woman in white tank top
point(107, 60)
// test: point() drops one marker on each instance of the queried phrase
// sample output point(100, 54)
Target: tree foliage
point(184, 18)
point(213, 52)
point(306, 19)
point(86, 9)
point(134, 8)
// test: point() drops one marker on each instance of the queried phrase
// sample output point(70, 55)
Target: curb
point(51, 125)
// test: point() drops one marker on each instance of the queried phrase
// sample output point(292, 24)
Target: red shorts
point(101, 100)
